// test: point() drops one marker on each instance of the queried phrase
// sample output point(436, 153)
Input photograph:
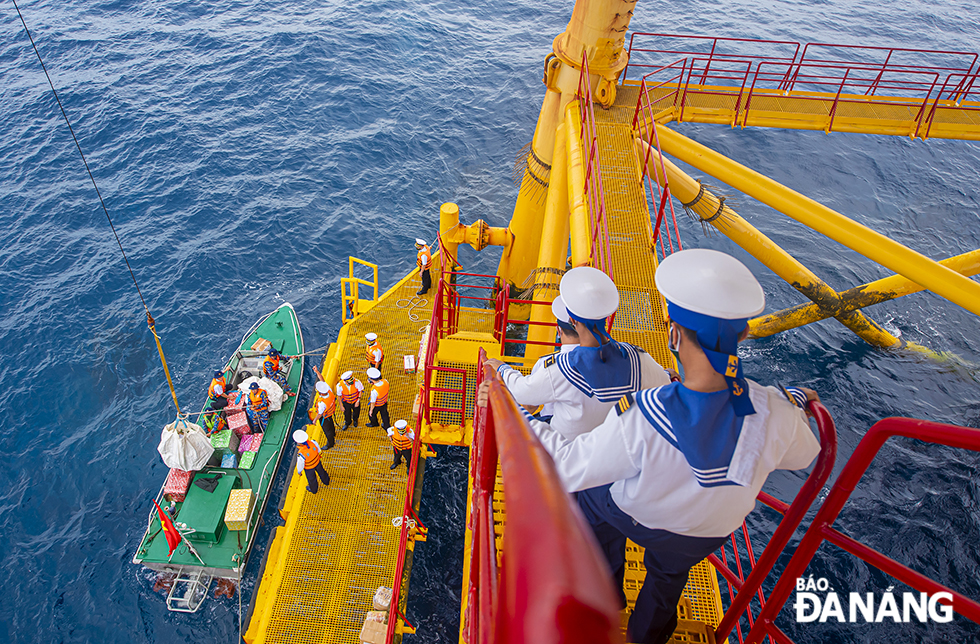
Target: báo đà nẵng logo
point(817, 601)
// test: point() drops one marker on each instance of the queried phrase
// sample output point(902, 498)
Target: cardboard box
point(238, 422)
point(261, 345)
point(373, 632)
point(224, 442)
point(379, 616)
point(247, 461)
point(238, 510)
point(178, 481)
point(229, 461)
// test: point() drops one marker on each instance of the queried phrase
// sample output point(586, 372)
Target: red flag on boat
point(173, 537)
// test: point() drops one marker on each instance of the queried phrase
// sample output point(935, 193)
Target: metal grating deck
point(340, 545)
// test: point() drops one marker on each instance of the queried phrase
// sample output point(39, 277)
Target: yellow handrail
point(906, 262)
point(348, 302)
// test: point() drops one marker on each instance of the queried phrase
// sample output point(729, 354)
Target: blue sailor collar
point(703, 427)
point(606, 378)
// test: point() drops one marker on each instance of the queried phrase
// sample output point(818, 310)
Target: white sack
point(271, 388)
point(185, 446)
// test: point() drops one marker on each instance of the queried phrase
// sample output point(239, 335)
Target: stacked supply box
point(178, 482)
point(224, 442)
point(239, 508)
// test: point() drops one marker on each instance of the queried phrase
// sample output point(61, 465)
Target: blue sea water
point(244, 149)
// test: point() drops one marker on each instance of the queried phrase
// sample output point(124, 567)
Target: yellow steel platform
point(340, 545)
point(799, 110)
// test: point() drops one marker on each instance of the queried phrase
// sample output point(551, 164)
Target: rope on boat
point(149, 318)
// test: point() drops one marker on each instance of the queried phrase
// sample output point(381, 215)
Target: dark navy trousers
point(668, 558)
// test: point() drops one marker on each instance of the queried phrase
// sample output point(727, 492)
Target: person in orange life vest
point(218, 388)
point(258, 408)
point(349, 391)
point(379, 399)
point(375, 354)
point(424, 262)
point(308, 460)
point(270, 369)
point(401, 443)
point(321, 410)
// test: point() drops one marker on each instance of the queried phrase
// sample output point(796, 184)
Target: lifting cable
point(149, 318)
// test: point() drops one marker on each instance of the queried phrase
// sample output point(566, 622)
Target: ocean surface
point(245, 148)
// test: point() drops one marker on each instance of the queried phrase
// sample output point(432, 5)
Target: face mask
point(674, 349)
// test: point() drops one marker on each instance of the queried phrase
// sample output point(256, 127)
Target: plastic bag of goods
point(382, 598)
point(273, 390)
point(184, 446)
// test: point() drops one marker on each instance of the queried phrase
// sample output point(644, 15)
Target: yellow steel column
point(554, 250)
point(875, 246)
point(855, 298)
point(714, 211)
point(597, 28)
point(580, 228)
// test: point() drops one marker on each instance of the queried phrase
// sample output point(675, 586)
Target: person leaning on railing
point(585, 382)
point(568, 339)
point(676, 469)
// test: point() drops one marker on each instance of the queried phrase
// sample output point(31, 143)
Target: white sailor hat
point(370, 337)
point(322, 387)
point(419, 242)
point(400, 425)
point(710, 283)
point(300, 436)
point(559, 311)
point(588, 293)
point(347, 375)
point(373, 373)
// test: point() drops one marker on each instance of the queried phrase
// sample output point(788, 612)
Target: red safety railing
point(924, 81)
point(645, 125)
point(821, 529)
point(503, 321)
point(553, 585)
point(750, 588)
point(595, 197)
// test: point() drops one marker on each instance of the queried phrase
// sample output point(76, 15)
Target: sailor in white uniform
point(676, 469)
point(585, 383)
point(568, 339)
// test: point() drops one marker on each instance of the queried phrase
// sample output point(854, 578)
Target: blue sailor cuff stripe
point(798, 396)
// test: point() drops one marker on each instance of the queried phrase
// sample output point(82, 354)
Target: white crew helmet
point(373, 374)
point(300, 436)
point(400, 425)
point(588, 293)
point(419, 242)
point(710, 283)
point(322, 387)
point(370, 337)
point(347, 375)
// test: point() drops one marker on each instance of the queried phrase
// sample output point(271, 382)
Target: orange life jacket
point(330, 400)
point(401, 441)
point(382, 388)
point(217, 381)
point(350, 394)
point(424, 253)
point(271, 364)
point(258, 398)
point(310, 454)
point(370, 353)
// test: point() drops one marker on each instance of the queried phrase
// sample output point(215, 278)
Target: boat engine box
point(239, 508)
point(204, 511)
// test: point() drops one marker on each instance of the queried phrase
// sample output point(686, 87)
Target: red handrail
point(821, 529)
point(553, 585)
point(751, 587)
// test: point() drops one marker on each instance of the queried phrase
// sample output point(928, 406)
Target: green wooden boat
point(220, 551)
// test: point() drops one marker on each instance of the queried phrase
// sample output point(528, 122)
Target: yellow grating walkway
point(339, 546)
point(812, 111)
point(641, 320)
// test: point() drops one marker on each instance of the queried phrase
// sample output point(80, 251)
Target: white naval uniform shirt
point(548, 409)
point(575, 413)
point(652, 481)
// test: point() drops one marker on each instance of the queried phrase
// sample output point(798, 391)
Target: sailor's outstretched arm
point(533, 389)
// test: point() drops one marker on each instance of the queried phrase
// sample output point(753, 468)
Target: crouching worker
point(677, 468)
point(308, 459)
